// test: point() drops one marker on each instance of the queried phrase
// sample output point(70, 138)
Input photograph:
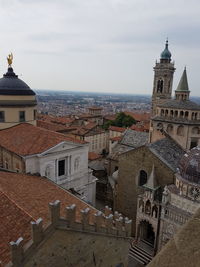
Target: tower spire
point(182, 92)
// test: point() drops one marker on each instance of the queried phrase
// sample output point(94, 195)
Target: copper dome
point(189, 166)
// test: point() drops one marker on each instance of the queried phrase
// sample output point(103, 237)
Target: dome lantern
point(165, 56)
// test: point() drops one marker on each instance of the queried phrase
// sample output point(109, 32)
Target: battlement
point(83, 221)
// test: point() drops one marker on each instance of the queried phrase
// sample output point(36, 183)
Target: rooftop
point(184, 104)
point(117, 129)
point(26, 139)
point(134, 138)
point(25, 198)
point(168, 151)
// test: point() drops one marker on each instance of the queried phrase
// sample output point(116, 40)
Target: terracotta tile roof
point(26, 139)
point(110, 117)
point(117, 129)
point(24, 198)
point(90, 125)
point(93, 156)
point(141, 127)
point(58, 120)
point(62, 120)
point(50, 126)
point(138, 116)
point(116, 138)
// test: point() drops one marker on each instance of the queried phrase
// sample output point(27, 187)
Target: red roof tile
point(117, 129)
point(93, 156)
point(50, 126)
point(26, 139)
point(116, 138)
point(24, 198)
point(138, 116)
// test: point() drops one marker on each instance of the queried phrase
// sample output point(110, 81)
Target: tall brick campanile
point(163, 79)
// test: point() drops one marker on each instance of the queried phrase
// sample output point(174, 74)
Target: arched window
point(171, 113)
point(142, 178)
point(176, 113)
point(195, 130)
point(180, 130)
point(148, 207)
point(160, 86)
point(154, 211)
point(170, 128)
point(162, 112)
point(141, 205)
point(181, 114)
point(166, 112)
point(186, 114)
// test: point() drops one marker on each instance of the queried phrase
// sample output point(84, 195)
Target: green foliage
point(122, 120)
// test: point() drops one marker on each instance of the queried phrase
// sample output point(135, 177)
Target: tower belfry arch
point(163, 79)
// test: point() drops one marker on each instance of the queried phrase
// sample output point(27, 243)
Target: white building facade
point(66, 164)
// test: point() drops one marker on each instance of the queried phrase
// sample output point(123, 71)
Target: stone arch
point(166, 112)
point(171, 113)
point(142, 178)
point(176, 113)
point(141, 205)
point(148, 207)
point(195, 130)
point(160, 86)
point(146, 232)
point(186, 114)
point(154, 211)
point(181, 114)
point(162, 112)
point(180, 130)
point(170, 128)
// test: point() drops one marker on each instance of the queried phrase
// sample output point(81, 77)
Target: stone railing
point(99, 223)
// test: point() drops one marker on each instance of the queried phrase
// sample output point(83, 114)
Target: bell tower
point(163, 79)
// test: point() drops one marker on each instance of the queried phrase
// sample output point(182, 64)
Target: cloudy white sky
point(99, 45)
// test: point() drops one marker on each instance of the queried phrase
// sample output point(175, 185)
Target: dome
point(189, 166)
point(10, 84)
point(166, 53)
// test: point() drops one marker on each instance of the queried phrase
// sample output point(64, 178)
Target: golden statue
point(10, 59)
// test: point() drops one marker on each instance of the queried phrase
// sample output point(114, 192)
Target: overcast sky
point(99, 45)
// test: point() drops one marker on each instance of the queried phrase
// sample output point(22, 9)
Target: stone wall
point(130, 164)
point(70, 248)
point(76, 240)
point(11, 161)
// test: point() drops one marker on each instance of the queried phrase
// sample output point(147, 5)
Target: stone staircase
point(137, 252)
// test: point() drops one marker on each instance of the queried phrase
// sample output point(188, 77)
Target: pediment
point(63, 146)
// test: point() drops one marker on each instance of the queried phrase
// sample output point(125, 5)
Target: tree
point(122, 120)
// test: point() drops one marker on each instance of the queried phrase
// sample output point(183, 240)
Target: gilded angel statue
point(10, 59)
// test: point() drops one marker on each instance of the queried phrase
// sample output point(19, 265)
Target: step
point(142, 251)
point(147, 242)
point(137, 258)
point(140, 255)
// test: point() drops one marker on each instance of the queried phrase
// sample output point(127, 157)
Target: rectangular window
point(2, 116)
point(22, 116)
point(61, 167)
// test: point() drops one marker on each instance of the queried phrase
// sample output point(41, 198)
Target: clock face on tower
point(194, 192)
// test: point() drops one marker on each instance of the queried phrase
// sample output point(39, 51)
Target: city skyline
point(99, 46)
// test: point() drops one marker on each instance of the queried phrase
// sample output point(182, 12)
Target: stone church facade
point(154, 197)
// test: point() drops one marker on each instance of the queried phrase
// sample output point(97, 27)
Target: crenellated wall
point(79, 239)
